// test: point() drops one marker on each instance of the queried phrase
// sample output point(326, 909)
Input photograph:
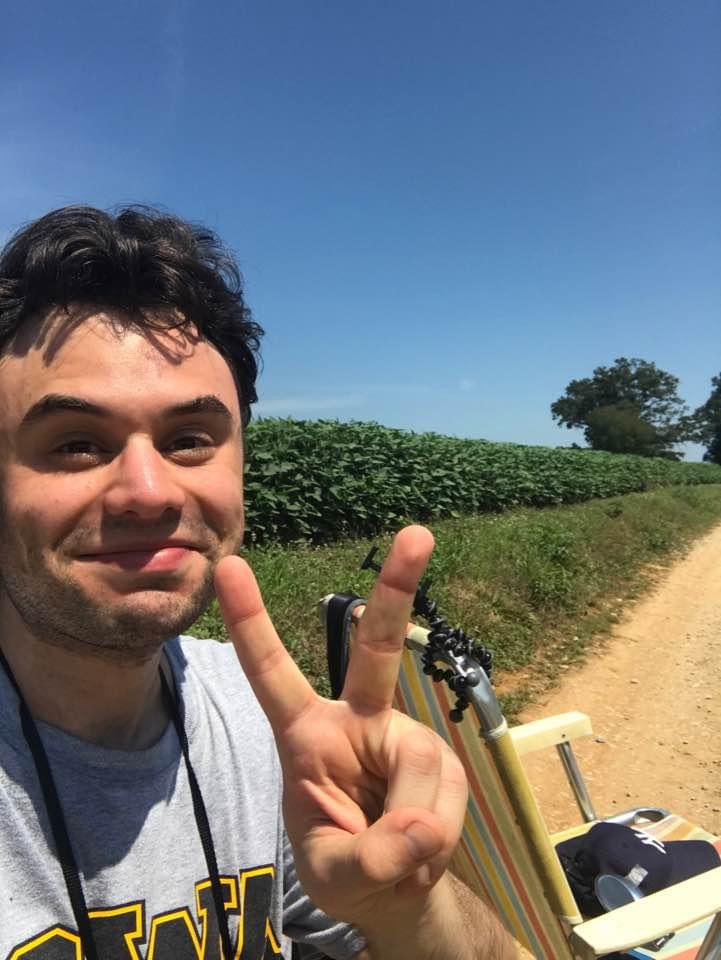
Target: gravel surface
point(653, 693)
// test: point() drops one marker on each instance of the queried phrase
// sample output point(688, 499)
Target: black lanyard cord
point(60, 831)
point(201, 820)
point(57, 820)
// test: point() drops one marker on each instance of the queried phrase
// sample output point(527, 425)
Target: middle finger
point(414, 772)
point(378, 645)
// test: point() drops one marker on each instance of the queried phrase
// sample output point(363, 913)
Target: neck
point(102, 701)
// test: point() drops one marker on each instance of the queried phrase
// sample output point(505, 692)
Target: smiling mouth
point(161, 558)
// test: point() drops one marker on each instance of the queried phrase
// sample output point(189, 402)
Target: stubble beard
point(57, 609)
point(60, 612)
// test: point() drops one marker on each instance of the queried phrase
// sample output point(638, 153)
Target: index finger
point(376, 656)
point(282, 690)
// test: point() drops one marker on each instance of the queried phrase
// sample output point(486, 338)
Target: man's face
point(120, 484)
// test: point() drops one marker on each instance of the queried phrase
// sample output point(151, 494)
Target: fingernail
point(422, 841)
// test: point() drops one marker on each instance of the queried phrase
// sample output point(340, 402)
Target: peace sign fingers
point(282, 690)
point(375, 660)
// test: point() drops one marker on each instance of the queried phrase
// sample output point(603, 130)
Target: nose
point(143, 482)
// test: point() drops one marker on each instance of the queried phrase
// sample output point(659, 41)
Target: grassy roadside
point(537, 586)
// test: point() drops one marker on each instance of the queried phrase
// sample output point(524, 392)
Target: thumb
point(387, 853)
point(401, 844)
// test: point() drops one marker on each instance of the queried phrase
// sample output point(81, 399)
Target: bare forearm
point(452, 924)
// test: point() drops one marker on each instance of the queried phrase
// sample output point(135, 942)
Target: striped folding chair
point(506, 854)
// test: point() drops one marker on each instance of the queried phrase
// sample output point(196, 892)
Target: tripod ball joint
point(456, 715)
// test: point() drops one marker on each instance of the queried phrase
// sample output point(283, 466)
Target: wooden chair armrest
point(551, 731)
point(649, 918)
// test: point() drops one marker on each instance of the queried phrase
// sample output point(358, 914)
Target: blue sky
point(444, 211)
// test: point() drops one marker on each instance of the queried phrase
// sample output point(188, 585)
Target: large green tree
point(708, 422)
point(630, 407)
point(620, 430)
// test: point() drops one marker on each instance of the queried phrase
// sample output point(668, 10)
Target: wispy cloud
point(403, 388)
point(292, 405)
point(364, 394)
point(466, 384)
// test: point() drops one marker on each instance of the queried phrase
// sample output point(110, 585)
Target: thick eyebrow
point(205, 404)
point(55, 403)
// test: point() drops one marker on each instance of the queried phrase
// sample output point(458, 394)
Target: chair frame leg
point(711, 947)
point(575, 779)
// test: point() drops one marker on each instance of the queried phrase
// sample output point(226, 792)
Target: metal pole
point(711, 946)
point(578, 784)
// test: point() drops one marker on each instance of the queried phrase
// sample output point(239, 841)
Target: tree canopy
point(630, 407)
point(620, 430)
point(708, 422)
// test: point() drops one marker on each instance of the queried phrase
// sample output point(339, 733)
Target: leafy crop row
point(322, 480)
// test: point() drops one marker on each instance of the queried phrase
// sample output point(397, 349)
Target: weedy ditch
point(537, 586)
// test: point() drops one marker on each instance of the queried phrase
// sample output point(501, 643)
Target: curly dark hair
point(154, 268)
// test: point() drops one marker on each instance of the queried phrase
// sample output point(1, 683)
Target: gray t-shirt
point(131, 824)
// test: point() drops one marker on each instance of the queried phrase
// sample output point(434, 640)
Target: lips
point(160, 557)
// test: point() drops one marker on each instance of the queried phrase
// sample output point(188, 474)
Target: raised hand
point(373, 801)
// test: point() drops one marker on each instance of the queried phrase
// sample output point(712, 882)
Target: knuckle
point(422, 747)
point(454, 772)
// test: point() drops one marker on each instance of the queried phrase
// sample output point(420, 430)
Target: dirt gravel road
point(653, 693)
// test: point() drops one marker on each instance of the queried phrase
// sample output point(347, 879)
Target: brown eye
point(79, 454)
point(190, 442)
point(191, 447)
point(79, 448)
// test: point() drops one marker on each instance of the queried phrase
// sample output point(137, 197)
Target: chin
point(89, 616)
point(134, 626)
point(160, 611)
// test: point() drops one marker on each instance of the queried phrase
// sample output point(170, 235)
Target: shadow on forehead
point(169, 332)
